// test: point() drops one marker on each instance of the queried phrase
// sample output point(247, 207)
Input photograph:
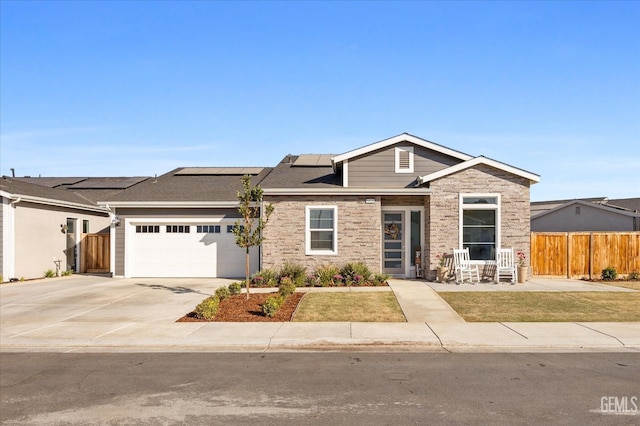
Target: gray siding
point(377, 169)
point(2, 207)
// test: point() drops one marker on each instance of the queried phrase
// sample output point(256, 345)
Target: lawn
point(545, 306)
point(635, 285)
point(351, 307)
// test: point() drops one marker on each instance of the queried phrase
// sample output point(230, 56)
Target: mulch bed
point(237, 308)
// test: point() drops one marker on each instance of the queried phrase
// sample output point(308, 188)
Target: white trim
point(345, 173)
point(408, 250)
point(179, 220)
point(533, 178)
point(307, 231)
point(495, 207)
point(347, 191)
point(405, 137)
point(160, 204)
point(57, 203)
point(400, 149)
point(8, 239)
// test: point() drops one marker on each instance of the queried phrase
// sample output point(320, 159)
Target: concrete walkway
point(96, 314)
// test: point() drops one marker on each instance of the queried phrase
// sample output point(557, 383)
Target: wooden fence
point(584, 254)
point(95, 253)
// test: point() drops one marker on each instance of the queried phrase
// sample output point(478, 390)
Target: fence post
point(590, 255)
point(568, 242)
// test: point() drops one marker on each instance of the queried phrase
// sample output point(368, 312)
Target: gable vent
point(404, 160)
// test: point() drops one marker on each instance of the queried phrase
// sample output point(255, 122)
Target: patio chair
point(462, 266)
point(506, 265)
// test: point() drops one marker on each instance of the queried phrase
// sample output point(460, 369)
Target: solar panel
point(217, 171)
point(313, 160)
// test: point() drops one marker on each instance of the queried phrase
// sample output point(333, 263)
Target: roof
point(404, 137)
point(626, 203)
point(590, 204)
point(295, 172)
point(92, 188)
point(629, 204)
point(532, 177)
point(185, 187)
point(24, 191)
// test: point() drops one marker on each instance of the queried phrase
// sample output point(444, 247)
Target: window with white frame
point(404, 159)
point(480, 224)
point(321, 230)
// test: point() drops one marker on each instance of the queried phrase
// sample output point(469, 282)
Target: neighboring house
point(40, 225)
point(591, 214)
point(380, 204)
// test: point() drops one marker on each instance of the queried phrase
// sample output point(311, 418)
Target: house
point(590, 214)
point(41, 228)
point(391, 204)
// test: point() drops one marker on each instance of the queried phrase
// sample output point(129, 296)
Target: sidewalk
point(92, 314)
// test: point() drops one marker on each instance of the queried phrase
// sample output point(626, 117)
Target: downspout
point(15, 201)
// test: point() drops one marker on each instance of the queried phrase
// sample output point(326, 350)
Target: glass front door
point(393, 243)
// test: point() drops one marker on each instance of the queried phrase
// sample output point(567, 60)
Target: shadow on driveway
point(175, 290)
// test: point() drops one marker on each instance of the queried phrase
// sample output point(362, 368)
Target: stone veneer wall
point(359, 231)
point(442, 209)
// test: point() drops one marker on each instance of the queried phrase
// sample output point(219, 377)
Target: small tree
point(248, 231)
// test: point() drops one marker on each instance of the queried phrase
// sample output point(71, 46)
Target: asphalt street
point(319, 388)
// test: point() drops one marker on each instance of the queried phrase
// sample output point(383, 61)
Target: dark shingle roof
point(176, 187)
point(288, 175)
point(19, 188)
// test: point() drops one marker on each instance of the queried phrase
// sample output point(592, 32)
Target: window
point(178, 229)
point(480, 223)
point(404, 159)
point(208, 229)
point(230, 228)
point(85, 226)
point(321, 230)
point(147, 229)
point(577, 209)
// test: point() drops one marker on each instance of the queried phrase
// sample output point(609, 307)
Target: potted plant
point(442, 270)
point(522, 269)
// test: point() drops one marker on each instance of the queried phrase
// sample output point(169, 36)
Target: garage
point(198, 250)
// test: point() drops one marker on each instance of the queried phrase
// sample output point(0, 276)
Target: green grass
point(545, 306)
point(351, 307)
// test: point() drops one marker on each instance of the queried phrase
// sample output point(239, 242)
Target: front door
point(393, 231)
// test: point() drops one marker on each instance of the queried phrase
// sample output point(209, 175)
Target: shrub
point(222, 293)
point(208, 308)
point(264, 278)
point(379, 279)
point(312, 281)
point(67, 273)
point(272, 305)
point(286, 287)
point(49, 273)
point(296, 272)
point(609, 273)
point(634, 276)
point(235, 288)
point(355, 272)
point(326, 274)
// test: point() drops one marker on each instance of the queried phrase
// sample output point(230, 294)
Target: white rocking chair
point(506, 265)
point(463, 266)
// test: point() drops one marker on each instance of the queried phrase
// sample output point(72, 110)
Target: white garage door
point(185, 250)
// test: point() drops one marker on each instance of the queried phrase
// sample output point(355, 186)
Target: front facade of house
point(394, 205)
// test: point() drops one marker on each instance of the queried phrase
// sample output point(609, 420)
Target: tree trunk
point(247, 261)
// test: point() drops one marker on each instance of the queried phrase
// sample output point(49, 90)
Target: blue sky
point(139, 88)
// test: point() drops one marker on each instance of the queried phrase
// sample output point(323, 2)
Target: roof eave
point(346, 191)
point(170, 204)
point(532, 177)
point(56, 203)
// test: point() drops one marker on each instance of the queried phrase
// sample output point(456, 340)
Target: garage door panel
point(188, 254)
